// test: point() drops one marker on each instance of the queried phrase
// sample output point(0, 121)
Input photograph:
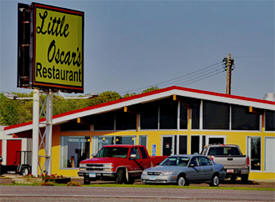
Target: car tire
point(120, 177)
point(86, 180)
point(233, 178)
point(182, 181)
point(25, 171)
point(244, 178)
point(131, 180)
point(215, 181)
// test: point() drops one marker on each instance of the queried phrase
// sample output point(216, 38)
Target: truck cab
point(122, 163)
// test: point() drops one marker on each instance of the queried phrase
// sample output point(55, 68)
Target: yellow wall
point(154, 137)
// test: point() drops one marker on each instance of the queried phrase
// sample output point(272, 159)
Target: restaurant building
point(173, 120)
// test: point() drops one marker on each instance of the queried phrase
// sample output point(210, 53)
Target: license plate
point(92, 175)
point(230, 171)
point(152, 177)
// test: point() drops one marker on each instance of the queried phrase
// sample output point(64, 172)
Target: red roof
point(202, 92)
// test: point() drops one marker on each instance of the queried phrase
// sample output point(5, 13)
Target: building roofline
point(156, 94)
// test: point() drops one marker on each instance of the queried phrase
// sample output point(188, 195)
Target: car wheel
point(25, 171)
point(244, 178)
point(215, 181)
point(131, 180)
point(233, 178)
point(86, 180)
point(182, 181)
point(120, 177)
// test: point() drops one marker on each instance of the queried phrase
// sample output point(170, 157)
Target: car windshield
point(117, 152)
point(176, 161)
point(220, 151)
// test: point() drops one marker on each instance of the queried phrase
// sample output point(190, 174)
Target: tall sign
point(51, 55)
point(50, 58)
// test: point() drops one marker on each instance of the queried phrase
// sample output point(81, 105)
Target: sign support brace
point(44, 136)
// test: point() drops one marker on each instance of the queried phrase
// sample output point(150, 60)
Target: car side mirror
point(133, 156)
point(192, 165)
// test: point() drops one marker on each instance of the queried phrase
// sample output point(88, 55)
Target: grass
point(158, 186)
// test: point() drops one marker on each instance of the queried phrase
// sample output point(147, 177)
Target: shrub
point(47, 184)
point(76, 184)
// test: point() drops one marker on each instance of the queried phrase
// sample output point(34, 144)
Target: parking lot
point(11, 178)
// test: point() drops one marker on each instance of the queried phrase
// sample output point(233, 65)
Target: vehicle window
point(204, 161)
point(117, 152)
point(232, 151)
point(171, 161)
point(136, 152)
point(183, 161)
point(219, 151)
point(143, 153)
point(194, 161)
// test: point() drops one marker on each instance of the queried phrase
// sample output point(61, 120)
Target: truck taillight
point(247, 161)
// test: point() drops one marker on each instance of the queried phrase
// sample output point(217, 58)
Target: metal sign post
point(48, 138)
point(35, 132)
point(45, 137)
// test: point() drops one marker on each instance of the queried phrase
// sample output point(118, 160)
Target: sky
point(130, 45)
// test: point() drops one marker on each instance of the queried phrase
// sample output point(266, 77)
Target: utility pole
point(228, 68)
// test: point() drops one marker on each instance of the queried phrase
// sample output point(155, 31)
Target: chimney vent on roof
point(269, 96)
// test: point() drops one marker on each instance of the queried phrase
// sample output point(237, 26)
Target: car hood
point(102, 160)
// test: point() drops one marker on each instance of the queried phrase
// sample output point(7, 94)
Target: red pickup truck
point(122, 163)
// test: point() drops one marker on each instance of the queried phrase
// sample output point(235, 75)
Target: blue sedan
point(183, 169)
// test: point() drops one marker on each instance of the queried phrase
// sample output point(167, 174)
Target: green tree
point(150, 89)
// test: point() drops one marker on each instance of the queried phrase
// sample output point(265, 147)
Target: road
point(63, 193)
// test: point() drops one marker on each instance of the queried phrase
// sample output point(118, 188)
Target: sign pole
point(48, 141)
point(35, 132)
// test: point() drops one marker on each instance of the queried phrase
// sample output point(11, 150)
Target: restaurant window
point(242, 119)
point(74, 126)
point(195, 115)
point(73, 150)
point(182, 144)
point(125, 140)
point(100, 141)
point(143, 140)
point(149, 116)
point(270, 120)
point(104, 121)
point(195, 144)
point(105, 140)
point(168, 114)
point(126, 121)
point(183, 115)
point(215, 115)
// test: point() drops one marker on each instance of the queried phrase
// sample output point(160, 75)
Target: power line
point(197, 73)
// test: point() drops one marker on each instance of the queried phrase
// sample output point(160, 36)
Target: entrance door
point(168, 145)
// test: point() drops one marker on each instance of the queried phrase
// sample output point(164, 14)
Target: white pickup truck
point(235, 164)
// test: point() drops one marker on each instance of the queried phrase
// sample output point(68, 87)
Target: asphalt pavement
point(63, 193)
